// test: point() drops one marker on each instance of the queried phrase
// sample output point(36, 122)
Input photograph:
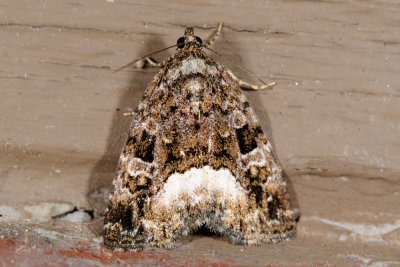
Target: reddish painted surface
point(16, 253)
point(106, 256)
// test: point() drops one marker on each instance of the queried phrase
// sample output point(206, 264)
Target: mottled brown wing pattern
point(196, 156)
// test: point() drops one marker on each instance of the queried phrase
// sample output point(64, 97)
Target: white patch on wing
point(137, 166)
point(199, 186)
point(173, 74)
point(268, 147)
point(238, 119)
point(194, 86)
point(212, 70)
point(256, 157)
point(193, 66)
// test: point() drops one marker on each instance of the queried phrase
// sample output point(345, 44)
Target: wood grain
point(333, 117)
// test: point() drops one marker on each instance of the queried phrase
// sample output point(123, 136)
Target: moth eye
point(181, 42)
point(198, 39)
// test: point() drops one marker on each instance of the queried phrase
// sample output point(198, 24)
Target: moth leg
point(148, 62)
point(248, 86)
point(128, 114)
point(213, 37)
point(143, 63)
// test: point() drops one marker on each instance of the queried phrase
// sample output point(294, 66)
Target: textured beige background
point(333, 117)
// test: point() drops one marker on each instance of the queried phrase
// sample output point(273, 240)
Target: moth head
point(189, 39)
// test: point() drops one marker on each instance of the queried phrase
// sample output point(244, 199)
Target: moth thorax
point(194, 88)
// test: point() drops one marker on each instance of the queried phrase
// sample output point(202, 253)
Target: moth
point(196, 156)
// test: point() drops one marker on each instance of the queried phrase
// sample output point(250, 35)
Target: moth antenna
point(236, 64)
point(143, 57)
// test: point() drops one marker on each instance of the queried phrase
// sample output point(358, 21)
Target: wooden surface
point(333, 117)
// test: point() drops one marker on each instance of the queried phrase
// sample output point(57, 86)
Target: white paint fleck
point(342, 238)
point(45, 211)
point(364, 260)
point(77, 217)
point(54, 235)
point(9, 213)
point(370, 233)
